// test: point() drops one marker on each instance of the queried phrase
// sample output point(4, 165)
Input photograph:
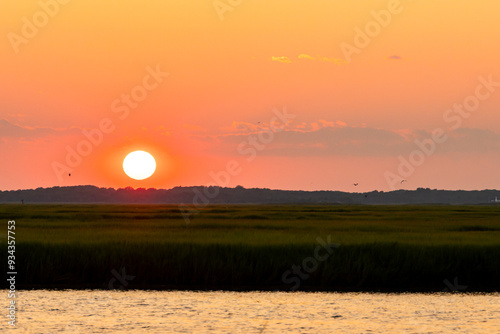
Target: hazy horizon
point(236, 186)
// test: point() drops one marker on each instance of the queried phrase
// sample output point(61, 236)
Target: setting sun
point(139, 165)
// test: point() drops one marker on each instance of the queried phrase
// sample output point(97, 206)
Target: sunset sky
point(291, 94)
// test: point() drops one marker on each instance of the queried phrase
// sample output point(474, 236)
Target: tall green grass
point(399, 248)
point(391, 267)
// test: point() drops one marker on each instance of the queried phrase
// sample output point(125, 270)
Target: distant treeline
point(201, 196)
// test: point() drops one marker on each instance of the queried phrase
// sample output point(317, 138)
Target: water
point(88, 311)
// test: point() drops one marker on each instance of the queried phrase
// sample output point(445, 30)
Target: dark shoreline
point(190, 195)
point(256, 289)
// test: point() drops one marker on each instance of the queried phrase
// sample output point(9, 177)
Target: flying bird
point(403, 181)
point(355, 184)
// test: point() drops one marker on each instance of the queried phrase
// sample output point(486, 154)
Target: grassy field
point(388, 248)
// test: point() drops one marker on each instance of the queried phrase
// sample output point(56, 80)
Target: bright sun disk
point(139, 165)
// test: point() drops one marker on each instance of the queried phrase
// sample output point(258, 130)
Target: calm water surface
point(252, 312)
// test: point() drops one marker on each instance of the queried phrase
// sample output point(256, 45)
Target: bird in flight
point(403, 181)
point(355, 184)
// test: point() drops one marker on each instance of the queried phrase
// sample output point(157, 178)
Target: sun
point(139, 165)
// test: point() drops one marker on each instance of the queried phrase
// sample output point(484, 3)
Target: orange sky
point(68, 66)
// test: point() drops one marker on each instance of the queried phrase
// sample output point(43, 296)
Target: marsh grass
point(400, 248)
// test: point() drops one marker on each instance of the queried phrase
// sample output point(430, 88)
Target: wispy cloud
point(10, 130)
point(306, 57)
point(281, 59)
point(243, 127)
point(335, 137)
